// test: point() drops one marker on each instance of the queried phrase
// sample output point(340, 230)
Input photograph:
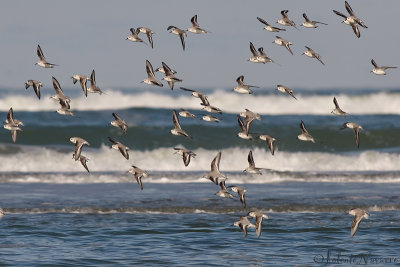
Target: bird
point(2, 213)
point(93, 88)
point(177, 130)
point(12, 124)
point(270, 141)
point(311, 24)
point(244, 127)
point(255, 58)
point(311, 53)
point(244, 224)
point(351, 20)
point(169, 76)
point(134, 37)
point(269, 27)
point(283, 42)
point(286, 90)
point(215, 175)
point(210, 118)
point(242, 88)
point(259, 218)
point(83, 161)
point(161, 69)
point(186, 155)
point(252, 166)
point(35, 85)
point(337, 110)
point(207, 106)
point(356, 127)
point(119, 123)
point(285, 21)
point(358, 215)
point(65, 108)
point(380, 70)
point(305, 136)
point(139, 174)
point(151, 78)
point(240, 191)
point(250, 114)
point(149, 34)
point(182, 34)
point(82, 80)
point(119, 146)
point(186, 114)
point(223, 192)
point(194, 93)
point(195, 26)
point(79, 143)
point(263, 58)
point(42, 60)
point(59, 96)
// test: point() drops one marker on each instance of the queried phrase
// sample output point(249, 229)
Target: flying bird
point(358, 215)
point(151, 78)
point(311, 53)
point(186, 155)
point(351, 20)
point(138, 174)
point(182, 34)
point(380, 70)
point(269, 27)
point(356, 128)
point(242, 88)
point(283, 42)
point(35, 85)
point(119, 146)
point(195, 26)
point(244, 224)
point(149, 34)
point(311, 24)
point(119, 123)
point(285, 21)
point(305, 136)
point(270, 141)
point(215, 175)
point(177, 130)
point(337, 110)
point(79, 143)
point(42, 60)
point(12, 124)
point(284, 89)
point(259, 218)
point(169, 76)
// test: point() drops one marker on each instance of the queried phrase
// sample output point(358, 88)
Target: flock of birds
point(258, 56)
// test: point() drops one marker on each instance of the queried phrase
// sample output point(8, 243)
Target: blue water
point(58, 214)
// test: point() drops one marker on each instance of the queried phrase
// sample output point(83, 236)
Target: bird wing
point(253, 50)
point(40, 53)
point(149, 69)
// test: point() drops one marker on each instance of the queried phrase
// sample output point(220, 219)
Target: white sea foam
point(108, 165)
point(374, 103)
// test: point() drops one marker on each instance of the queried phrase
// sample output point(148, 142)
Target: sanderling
point(311, 53)
point(169, 76)
point(263, 58)
point(283, 42)
point(79, 143)
point(36, 86)
point(149, 34)
point(252, 166)
point(134, 37)
point(42, 60)
point(255, 58)
point(358, 215)
point(251, 114)
point(93, 88)
point(337, 111)
point(243, 224)
point(186, 155)
point(119, 146)
point(270, 141)
point(244, 127)
point(83, 161)
point(119, 123)
point(82, 80)
point(356, 127)
point(240, 191)
point(186, 114)
point(195, 26)
point(139, 174)
point(380, 70)
point(242, 88)
point(310, 24)
point(210, 118)
point(284, 89)
point(305, 136)
point(223, 192)
point(151, 78)
point(259, 218)
point(351, 20)
point(12, 124)
point(285, 21)
point(177, 126)
point(182, 34)
point(215, 175)
point(269, 27)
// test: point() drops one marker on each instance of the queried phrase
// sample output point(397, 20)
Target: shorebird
point(358, 215)
point(12, 124)
point(93, 88)
point(65, 108)
point(263, 58)
point(242, 88)
point(186, 114)
point(270, 141)
point(250, 114)
point(223, 192)
point(351, 20)
point(182, 34)
point(284, 89)
point(149, 34)
point(36, 86)
point(259, 218)
point(79, 143)
point(207, 107)
point(305, 136)
point(151, 78)
point(380, 70)
point(62, 99)
point(169, 76)
point(119, 123)
point(252, 166)
point(215, 175)
point(119, 146)
point(139, 174)
point(255, 58)
point(243, 224)
point(311, 53)
point(244, 127)
point(177, 126)
point(285, 21)
point(240, 191)
point(337, 110)
point(83, 161)
point(134, 37)
point(195, 26)
point(42, 60)
point(161, 69)
point(269, 27)
point(210, 118)
point(283, 42)
point(82, 80)
point(356, 127)
point(195, 93)
point(311, 24)
point(186, 154)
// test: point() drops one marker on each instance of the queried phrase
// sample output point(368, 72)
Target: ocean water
point(58, 214)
